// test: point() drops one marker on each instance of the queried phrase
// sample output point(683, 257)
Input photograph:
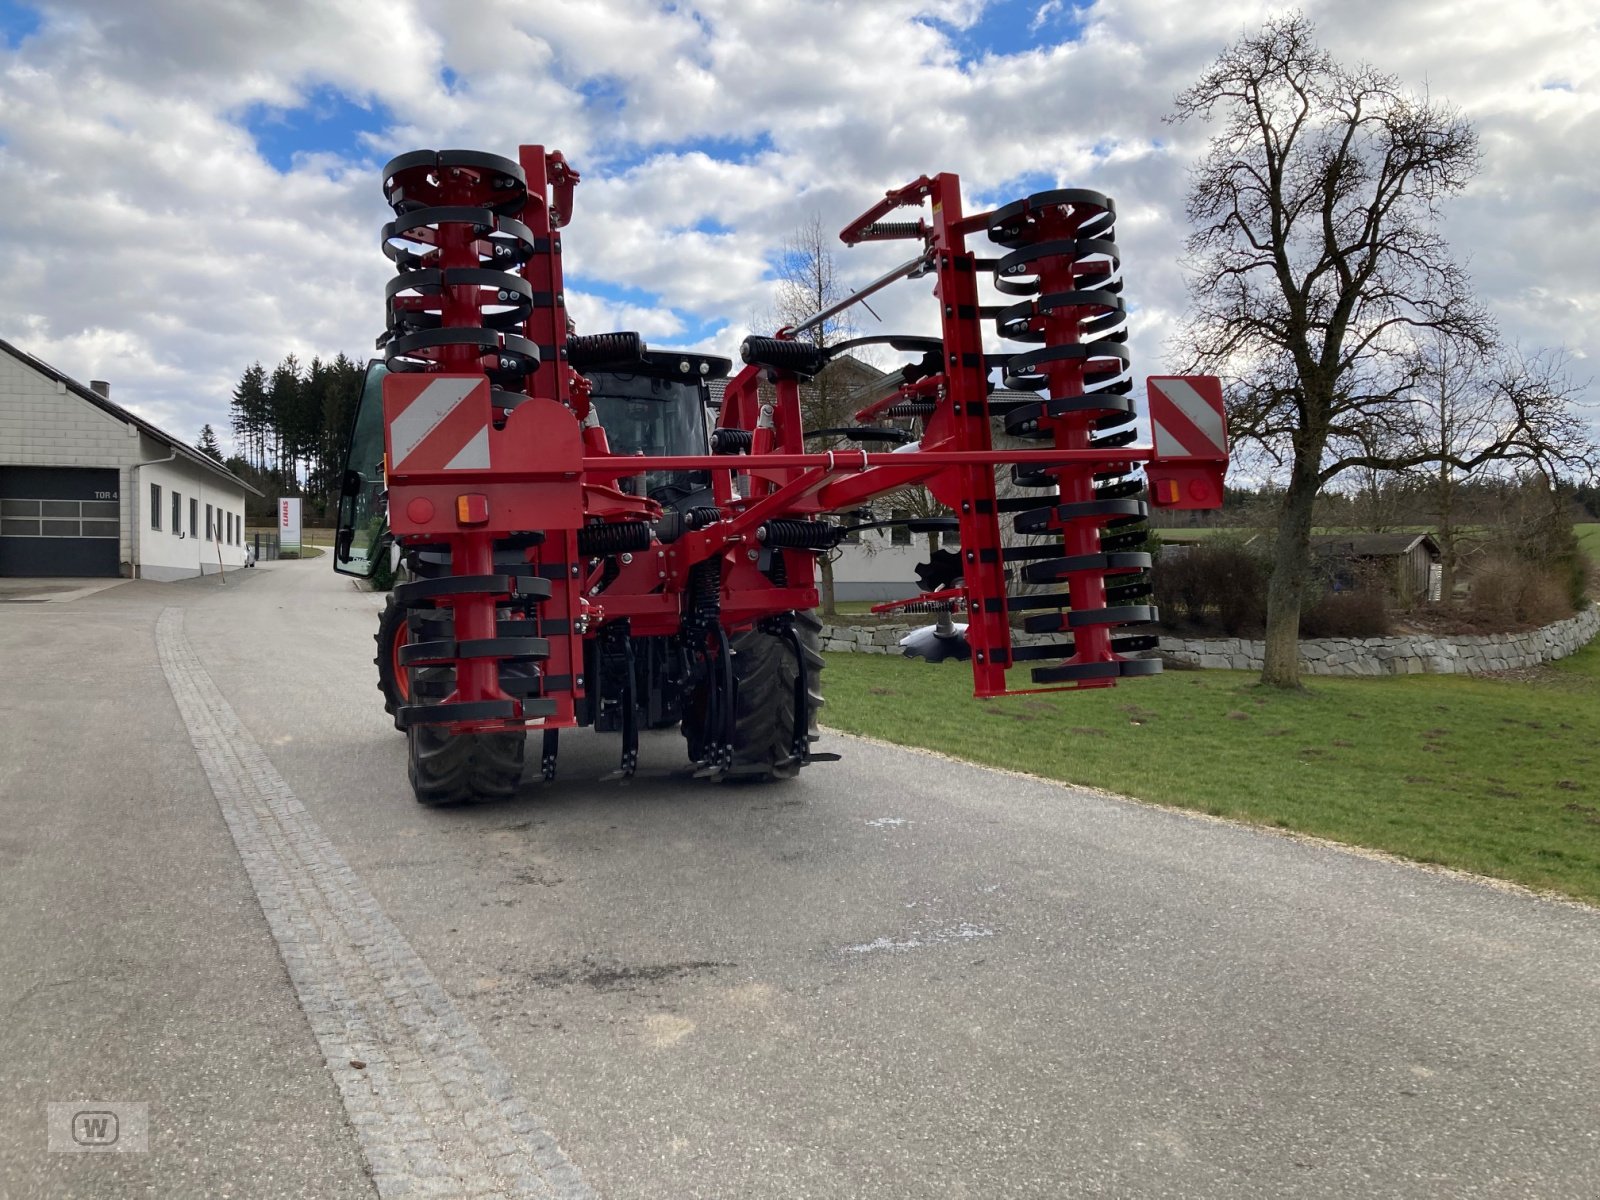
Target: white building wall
point(877, 569)
point(168, 554)
point(45, 424)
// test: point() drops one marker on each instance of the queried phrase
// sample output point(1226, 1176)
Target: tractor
point(579, 543)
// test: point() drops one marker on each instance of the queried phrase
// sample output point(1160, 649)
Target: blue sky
point(223, 159)
point(326, 122)
point(17, 21)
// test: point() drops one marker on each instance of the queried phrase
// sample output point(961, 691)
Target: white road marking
point(435, 1113)
point(949, 933)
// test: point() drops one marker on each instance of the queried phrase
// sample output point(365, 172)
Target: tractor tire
point(764, 672)
point(444, 768)
point(394, 630)
point(456, 768)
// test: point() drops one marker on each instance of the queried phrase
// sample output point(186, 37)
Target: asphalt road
point(895, 977)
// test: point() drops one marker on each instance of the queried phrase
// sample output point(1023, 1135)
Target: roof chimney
point(100, 388)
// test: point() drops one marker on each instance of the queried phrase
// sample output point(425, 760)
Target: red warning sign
point(1190, 433)
point(1186, 417)
point(436, 423)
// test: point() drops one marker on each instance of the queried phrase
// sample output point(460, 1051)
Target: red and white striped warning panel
point(1186, 417)
point(436, 423)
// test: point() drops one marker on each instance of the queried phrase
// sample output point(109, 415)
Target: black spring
point(702, 515)
point(882, 230)
point(705, 589)
point(591, 351)
point(618, 537)
point(802, 358)
point(730, 441)
point(800, 535)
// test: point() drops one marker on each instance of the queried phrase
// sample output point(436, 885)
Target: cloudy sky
point(190, 185)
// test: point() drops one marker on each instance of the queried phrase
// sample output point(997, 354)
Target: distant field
point(1183, 535)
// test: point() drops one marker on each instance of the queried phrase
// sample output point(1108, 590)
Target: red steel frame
point(543, 475)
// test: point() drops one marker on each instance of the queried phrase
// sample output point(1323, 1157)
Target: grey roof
point(116, 410)
point(1372, 545)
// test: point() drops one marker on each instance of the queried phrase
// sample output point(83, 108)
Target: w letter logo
point(95, 1128)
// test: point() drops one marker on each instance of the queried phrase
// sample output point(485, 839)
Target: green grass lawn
point(1589, 539)
point(1492, 776)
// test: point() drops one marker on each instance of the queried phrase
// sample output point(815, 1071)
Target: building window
point(59, 518)
point(177, 514)
point(951, 538)
point(19, 518)
point(899, 535)
point(194, 518)
point(155, 506)
point(210, 531)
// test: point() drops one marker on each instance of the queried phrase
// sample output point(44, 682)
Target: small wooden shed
point(1404, 561)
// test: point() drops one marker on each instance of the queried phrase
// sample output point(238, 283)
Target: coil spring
point(802, 358)
point(455, 302)
point(618, 537)
point(1064, 258)
point(799, 535)
point(702, 515)
point(730, 441)
point(593, 350)
point(882, 230)
point(705, 589)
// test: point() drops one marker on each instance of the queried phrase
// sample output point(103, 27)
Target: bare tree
point(1521, 405)
point(1317, 266)
point(807, 284)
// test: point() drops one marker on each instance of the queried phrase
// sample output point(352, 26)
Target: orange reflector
point(472, 509)
point(1167, 491)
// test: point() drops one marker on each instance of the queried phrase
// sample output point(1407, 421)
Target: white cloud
point(147, 240)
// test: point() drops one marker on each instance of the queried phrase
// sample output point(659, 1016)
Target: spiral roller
point(456, 303)
point(1063, 261)
point(462, 302)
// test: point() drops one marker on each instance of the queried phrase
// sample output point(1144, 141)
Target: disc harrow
point(566, 567)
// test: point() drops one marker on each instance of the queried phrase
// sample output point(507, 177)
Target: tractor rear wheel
point(398, 625)
point(453, 768)
point(444, 767)
point(764, 672)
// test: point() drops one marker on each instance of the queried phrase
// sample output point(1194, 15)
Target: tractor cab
point(659, 407)
point(653, 402)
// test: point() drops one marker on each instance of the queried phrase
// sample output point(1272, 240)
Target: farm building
point(89, 489)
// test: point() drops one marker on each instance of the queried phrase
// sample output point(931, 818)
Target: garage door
point(59, 521)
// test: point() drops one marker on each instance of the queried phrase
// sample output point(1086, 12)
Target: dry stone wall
point(1413, 654)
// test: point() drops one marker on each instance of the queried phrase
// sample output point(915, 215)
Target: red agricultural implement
point(581, 550)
